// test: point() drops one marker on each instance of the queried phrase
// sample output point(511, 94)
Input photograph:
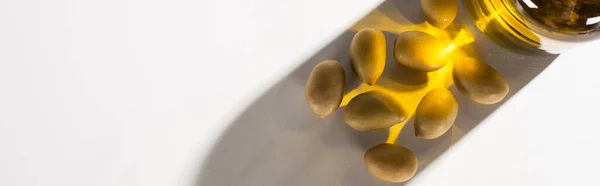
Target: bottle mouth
point(495, 19)
point(507, 24)
point(564, 17)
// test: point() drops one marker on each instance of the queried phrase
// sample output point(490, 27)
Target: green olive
point(420, 51)
point(439, 13)
point(478, 81)
point(367, 54)
point(325, 88)
point(390, 162)
point(373, 110)
point(435, 114)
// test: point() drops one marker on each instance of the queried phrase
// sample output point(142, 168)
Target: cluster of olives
point(375, 110)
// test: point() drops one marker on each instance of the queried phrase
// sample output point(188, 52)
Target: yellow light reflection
point(484, 21)
point(407, 98)
point(462, 38)
point(405, 95)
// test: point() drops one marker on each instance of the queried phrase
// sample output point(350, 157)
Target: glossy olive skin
point(435, 114)
point(367, 54)
point(420, 51)
point(479, 82)
point(325, 88)
point(390, 162)
point(439, 13)
point(373, 110)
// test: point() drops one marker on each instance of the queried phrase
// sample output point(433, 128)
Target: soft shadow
point(410, 10)
point(279, 141)
point(518, 70)
point(400, 74)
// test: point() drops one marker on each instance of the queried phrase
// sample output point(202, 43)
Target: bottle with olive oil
point(537, 26)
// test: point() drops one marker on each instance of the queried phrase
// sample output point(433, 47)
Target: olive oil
point(537, 26)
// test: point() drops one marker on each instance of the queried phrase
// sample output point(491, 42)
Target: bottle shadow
point(277, 140)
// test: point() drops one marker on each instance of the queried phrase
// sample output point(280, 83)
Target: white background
point(136, 92)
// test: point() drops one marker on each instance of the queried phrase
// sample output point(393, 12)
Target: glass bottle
point(537, 26)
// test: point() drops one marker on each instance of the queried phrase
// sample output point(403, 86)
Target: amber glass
point(537, 26)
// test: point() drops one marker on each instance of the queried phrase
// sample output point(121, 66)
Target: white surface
point(117, 92)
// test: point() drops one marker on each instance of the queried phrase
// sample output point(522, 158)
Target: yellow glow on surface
point(484, 21)
point(448, 49)
point(395, 132)
point(462, 38)
point(408, 96)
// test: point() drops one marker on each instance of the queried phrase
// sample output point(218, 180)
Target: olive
point(439, 13)
point(420, 51)
point(478, 81)
point(435, 114)
point(390, 162)
point(367, 54)
point(325, 88)
point(373, 110)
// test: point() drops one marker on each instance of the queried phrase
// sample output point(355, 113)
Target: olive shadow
point(406, 79)
point(277, 140)
point(278, 137)
point(409, 9)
